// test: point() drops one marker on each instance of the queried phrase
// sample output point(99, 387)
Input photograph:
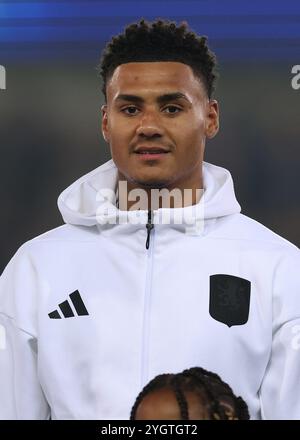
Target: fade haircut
point(161, 40)
point(221, 402)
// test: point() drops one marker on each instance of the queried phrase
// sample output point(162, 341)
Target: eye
point(131, 110)
point(172, 109)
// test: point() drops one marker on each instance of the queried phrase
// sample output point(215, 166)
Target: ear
point(105, 131)
point(212, 119)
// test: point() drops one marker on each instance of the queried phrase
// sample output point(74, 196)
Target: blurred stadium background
point(49, 113)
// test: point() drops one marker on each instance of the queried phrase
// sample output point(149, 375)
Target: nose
point(149, 126)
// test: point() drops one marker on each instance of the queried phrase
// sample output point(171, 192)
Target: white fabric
point(148, 308)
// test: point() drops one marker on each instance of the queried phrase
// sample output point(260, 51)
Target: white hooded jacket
point(89, 315)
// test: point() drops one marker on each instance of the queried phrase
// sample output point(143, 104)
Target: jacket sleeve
point(280, 389)
point(21, 395)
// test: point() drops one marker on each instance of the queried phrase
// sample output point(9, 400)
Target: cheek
point(189, 130)
point(197, 127)
point(190, 141)
point(117, 122)
point(120, 134)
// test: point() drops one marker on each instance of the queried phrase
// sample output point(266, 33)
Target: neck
point(131, 196)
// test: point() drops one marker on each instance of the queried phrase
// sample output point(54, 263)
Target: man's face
point(156, 121)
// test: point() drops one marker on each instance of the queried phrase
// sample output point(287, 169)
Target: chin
point(155, 183)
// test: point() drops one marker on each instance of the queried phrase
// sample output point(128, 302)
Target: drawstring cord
point(149, 227)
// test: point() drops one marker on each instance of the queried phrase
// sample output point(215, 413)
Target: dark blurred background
point(49, 112)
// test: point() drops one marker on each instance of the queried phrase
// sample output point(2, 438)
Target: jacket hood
point(90, 200)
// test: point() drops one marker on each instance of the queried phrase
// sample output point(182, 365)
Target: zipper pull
point(149, 227)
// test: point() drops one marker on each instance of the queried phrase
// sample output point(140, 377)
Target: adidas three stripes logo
point(66, 309)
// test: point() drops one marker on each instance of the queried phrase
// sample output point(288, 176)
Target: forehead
point(154, 77)
point(159, 405)
point(162, 405)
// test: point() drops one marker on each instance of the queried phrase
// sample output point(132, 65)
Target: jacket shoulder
point(243, 228)
point(65, 233)
point(60, 235)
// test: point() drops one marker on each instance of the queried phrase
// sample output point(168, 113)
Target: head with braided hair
point(194, 394)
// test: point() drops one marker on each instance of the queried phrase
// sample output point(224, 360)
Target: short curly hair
point(161, 40)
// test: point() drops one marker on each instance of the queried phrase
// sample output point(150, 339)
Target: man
point(139, 286)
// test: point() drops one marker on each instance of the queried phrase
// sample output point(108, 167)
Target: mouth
point(151, 152)
point(152, 155)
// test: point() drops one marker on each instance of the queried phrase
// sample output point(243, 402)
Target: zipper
point(149, 227)
point(147, 302)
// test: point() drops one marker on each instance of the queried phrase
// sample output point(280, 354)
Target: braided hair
point(222, 403)
point(161, 40)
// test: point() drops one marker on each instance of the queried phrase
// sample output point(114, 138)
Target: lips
point(151, 150)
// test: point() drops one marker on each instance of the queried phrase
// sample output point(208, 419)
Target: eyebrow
point(162, 99)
